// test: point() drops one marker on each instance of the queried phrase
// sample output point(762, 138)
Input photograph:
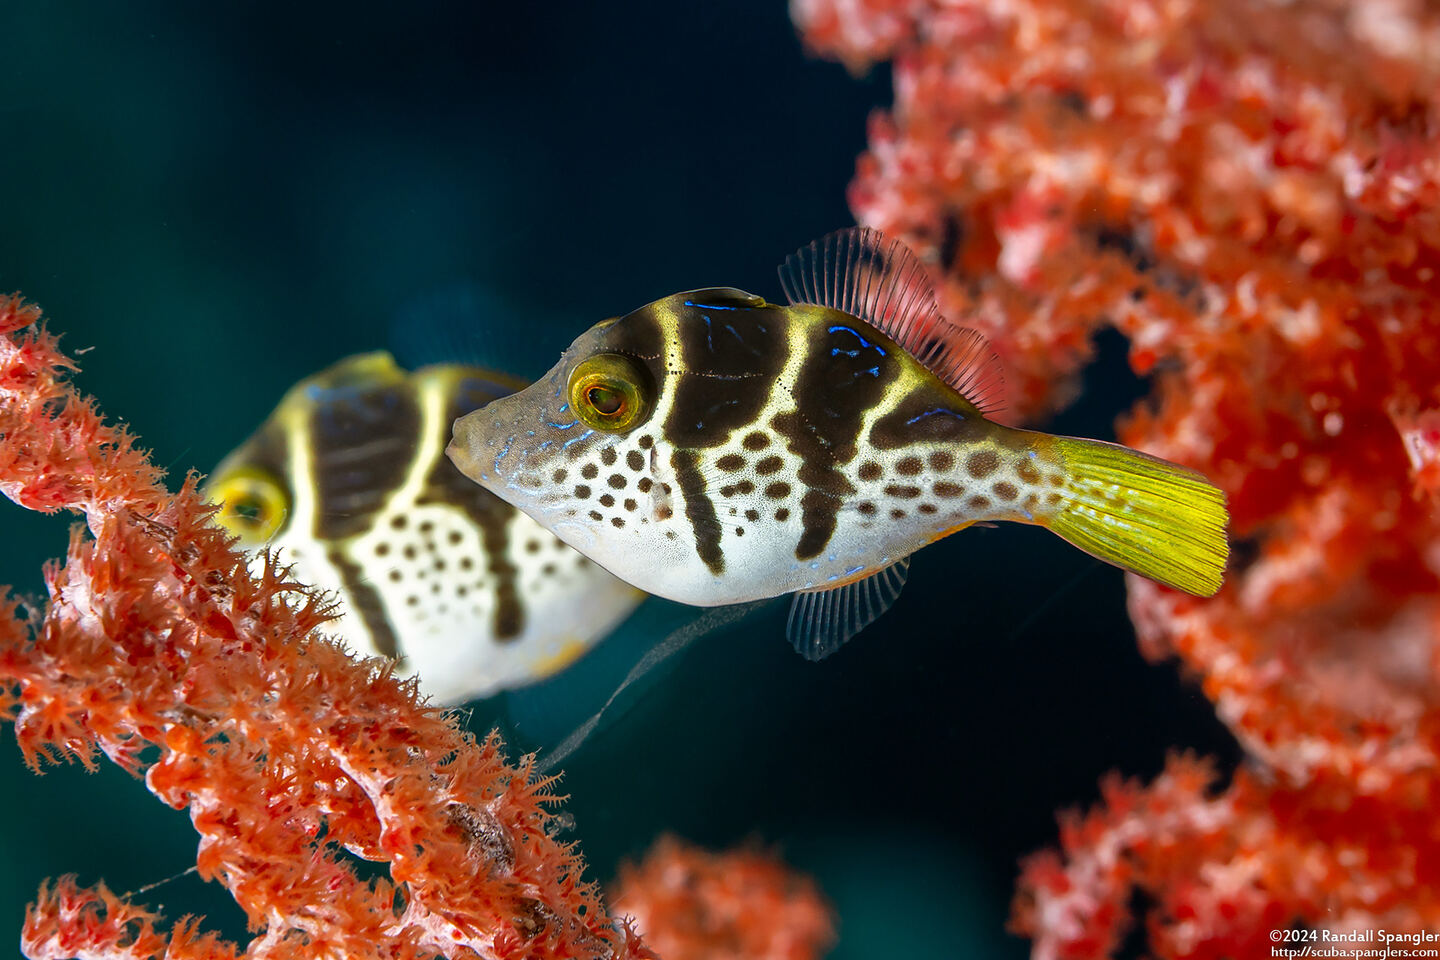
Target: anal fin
point(822, 620)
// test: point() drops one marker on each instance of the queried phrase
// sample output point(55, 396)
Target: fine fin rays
point(861, 272)
point(822, 620)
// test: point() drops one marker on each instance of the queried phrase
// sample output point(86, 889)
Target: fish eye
point(610, 392)
point(253, 505)
point(606, 401)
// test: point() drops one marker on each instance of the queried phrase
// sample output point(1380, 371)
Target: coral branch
point(738, 905)
point(159, 649)
point(1250, 192)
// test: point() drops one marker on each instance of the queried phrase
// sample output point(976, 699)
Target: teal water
point(220, 201)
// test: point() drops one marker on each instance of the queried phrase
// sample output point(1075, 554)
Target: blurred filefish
point(346, 481)
point(713, 448)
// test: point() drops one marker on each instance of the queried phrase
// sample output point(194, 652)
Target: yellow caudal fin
point(1144, 514)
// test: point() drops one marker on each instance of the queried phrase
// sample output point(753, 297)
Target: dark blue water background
point(223, 198)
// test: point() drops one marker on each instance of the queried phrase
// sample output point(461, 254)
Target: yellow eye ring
point(610, 392)
point(253, 504)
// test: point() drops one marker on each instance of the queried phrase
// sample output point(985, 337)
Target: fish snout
point(500, 448)
point(461, 458)
point(469, 449)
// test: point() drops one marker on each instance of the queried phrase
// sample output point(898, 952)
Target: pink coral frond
point(159, 649)
point(742, 903)
point(1250, 193)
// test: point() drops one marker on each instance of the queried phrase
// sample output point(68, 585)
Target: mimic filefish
point(713, 448)
point(345, 480)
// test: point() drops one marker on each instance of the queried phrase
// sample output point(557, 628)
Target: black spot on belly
point(1027, 471)
point(731, 462)
point(635, 461)
point(589, 471)
point(909, 467)
point(769, 465)
point(755, 440)
point(870, 471)
point(942, 461)
point(982, 463)
point(577, 448)
point(1005, 491)
point(616, 481)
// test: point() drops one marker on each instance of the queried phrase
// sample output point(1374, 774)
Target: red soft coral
point(737, 905)
point(159, 649)
point(1250, 192)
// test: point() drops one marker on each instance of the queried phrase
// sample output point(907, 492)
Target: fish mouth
point(471, 451)
point(506, 460)
point(467, 464)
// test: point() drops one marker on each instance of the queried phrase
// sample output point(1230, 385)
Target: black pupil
point(249, 509)
point(605, 400)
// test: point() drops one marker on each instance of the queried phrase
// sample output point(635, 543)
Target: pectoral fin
point(822, 620)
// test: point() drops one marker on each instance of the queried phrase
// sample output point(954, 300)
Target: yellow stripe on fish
point(347, 482)
point(714, 448)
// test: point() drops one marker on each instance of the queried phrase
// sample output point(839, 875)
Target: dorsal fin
point(860, 271)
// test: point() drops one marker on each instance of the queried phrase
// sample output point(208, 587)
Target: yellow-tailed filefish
point(346, 480)
point(713, 448)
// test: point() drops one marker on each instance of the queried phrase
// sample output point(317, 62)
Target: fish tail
point(1141, 513)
